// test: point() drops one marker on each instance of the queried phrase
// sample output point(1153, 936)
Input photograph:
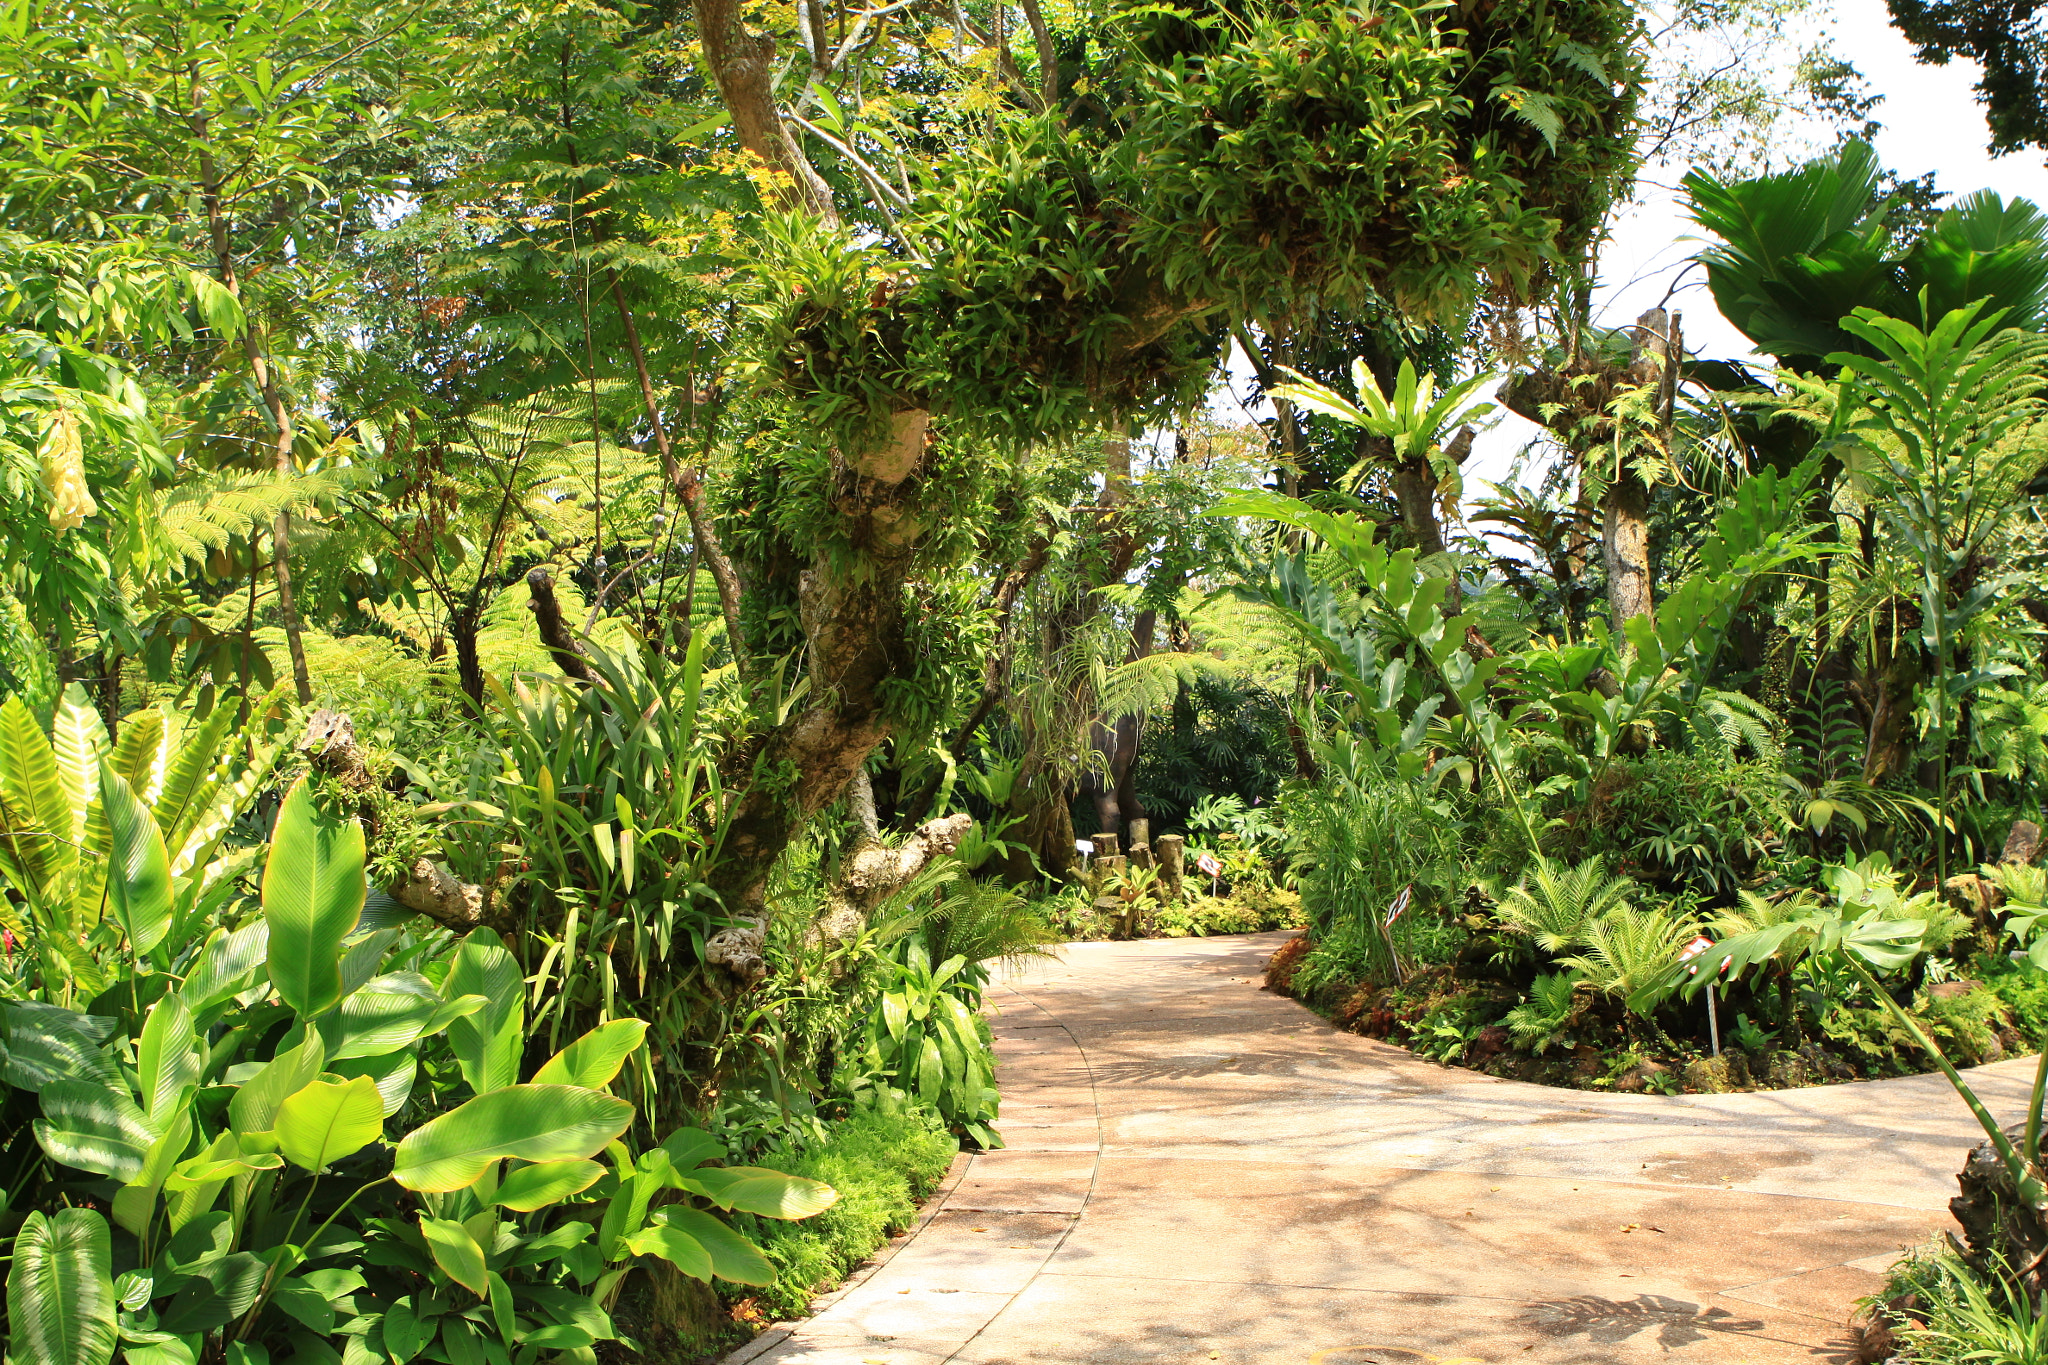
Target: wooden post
point(1172, 852)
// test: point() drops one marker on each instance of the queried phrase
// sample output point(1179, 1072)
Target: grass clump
point(882, 1162)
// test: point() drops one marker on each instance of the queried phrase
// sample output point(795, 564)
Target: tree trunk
point(1625, 550)
point(273, 401)
point(856, 632)
point(744, 66)
point(469, 668)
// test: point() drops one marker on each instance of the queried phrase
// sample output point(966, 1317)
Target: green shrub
point(1246, 910)
point(882, 1162)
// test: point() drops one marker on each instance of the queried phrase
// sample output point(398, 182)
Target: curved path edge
point(1198, 1170)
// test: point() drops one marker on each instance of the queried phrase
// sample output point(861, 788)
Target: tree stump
point(2023, 843)
point(1172, 852)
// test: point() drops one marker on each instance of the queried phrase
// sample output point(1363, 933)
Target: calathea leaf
point(94, 1128)
point(60, 1292)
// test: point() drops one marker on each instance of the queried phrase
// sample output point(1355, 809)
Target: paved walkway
point(1198, 1170)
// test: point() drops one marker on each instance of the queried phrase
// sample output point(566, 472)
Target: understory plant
point(280, 1123)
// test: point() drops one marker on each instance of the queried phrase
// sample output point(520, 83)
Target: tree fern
point(195, 519)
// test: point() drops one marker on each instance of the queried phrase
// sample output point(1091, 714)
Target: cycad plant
point(1546, 1017)
point(1556, 905)
point(1629, 955)
point(1932, 410)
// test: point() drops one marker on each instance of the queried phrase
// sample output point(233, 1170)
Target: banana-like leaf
point(487, 1042)
point(60, 1293)
point(544, 1183)
point(185, 777)
point(79, 740)
point(38, 832)
point(168, 1056)
point(532, 1122)
point(313, 888)
point(592, 1060)
point(256, 1102)
point(229, 964)
point(770, 1194)
point(329, 1120)
point(393, 1074)
point(457, 1253)
point(674, 1245)
point(733, 1257)
point(139, 878)
point(382, 1015)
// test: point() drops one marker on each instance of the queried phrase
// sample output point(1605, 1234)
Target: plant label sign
point(1208, 865)
point(1400, 905)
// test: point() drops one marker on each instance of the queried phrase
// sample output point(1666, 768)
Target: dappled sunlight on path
point(1199, 1170)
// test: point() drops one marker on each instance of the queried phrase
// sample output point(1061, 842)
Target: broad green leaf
point(532, 1122)
point(758, 1190)
point(229, 964)
point(48, 1042)
point(547, 1182)
point(313, 888)
point(304, 1303)
point(592, 1060)
point(95, 1129)
point(168, 1055)
point(457, 1253)
point(139, 870)
point(688, 1148)
point(405, 1334)
point(38, 834)
point(60, 1293)
point(733, 1257)
point(329, 1120)
point(206, 1169)
point(79, 740)
point(393, 1074)
point(487, 1043)
point(382, 1015)
point(671, 1244)
point(255, 1105)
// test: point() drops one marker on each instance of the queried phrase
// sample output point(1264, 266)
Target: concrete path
point(1198, 1170)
